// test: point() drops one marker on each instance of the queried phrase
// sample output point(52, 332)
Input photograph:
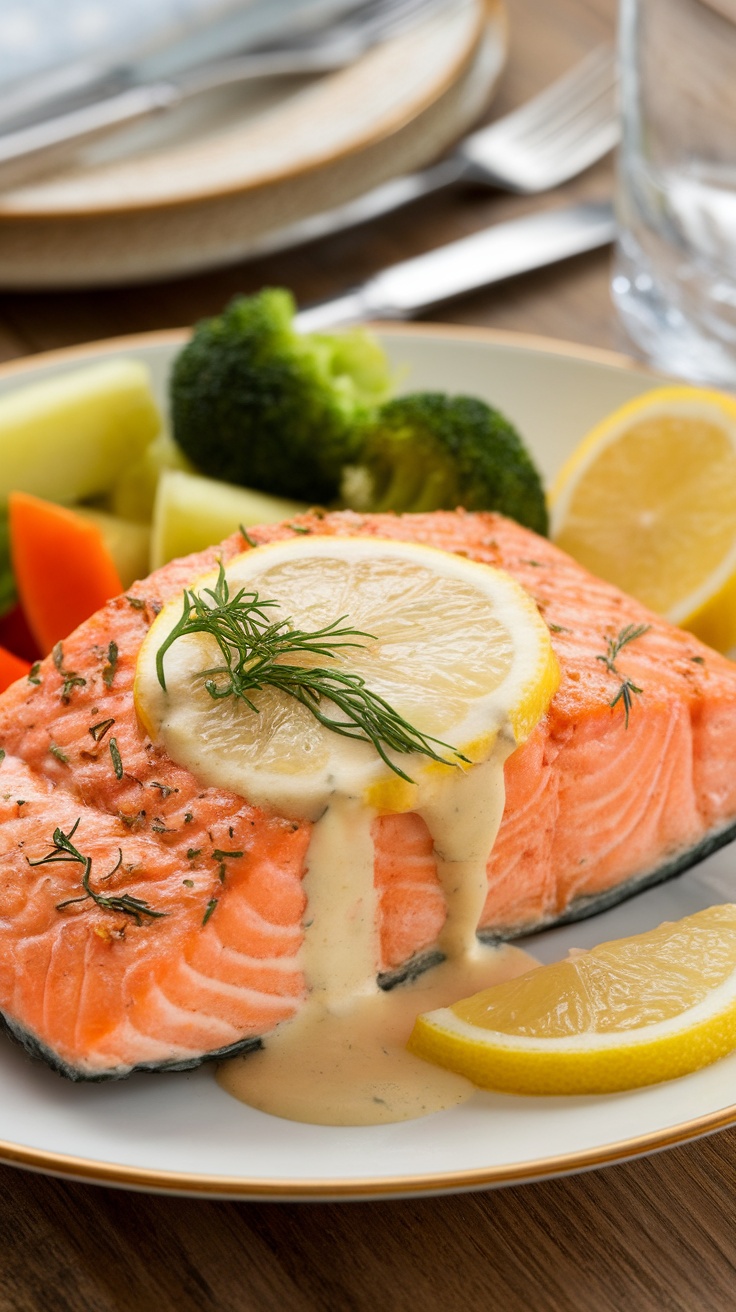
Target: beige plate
point(204, 185)
point(181, 1133)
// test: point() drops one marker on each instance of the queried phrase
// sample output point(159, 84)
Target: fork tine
point(587, 151)
point(576, 119)
point(568, 95)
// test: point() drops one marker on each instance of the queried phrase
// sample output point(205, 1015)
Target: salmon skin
point(205, 959)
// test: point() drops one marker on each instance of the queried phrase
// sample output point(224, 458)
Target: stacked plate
point(212, 181)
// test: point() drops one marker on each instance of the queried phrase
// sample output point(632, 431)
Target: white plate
point(182, 1134)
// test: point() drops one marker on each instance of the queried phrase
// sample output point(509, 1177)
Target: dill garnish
point(299, 528)
point(558, 628)
point(210, 908)
point(614, 645)
point(117, 760)
point(2, 755)
point(33, 673)
point(108, 674)
point(137, 603)
point(58, 753)
point(252, 646)
point(188, 817)
point(188, 883)
point(63, 850)
point(99, 730)
point(193, 853)
point(247, 537)
point(699, 660)
point(71, 679)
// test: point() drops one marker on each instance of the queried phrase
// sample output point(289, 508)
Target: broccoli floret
point(255, 403)
point(429, 451)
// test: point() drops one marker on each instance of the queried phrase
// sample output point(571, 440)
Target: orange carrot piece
point(63, 570)
point(12, 667)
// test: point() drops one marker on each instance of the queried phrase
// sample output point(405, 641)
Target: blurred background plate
point(209, 183)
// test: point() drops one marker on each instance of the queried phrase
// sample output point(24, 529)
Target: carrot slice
point(63, 570)
point(11, 668)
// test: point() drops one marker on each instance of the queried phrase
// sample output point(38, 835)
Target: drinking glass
point(674, 279)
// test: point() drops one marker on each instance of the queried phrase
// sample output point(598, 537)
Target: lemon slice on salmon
point(458, 649)
point(631, 1012)
point(648, 502)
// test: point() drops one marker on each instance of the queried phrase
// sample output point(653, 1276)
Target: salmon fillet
point(594, 810)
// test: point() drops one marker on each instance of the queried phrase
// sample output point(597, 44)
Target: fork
point(40, 125)
point(550, 139)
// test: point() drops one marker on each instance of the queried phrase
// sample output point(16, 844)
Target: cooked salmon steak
point(149, 922)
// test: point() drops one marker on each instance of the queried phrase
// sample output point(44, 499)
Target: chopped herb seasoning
point(117, 761)
point(158, 826)
point(63, 850)
point(299, 528)
point(130, 821)
point(33, 673)
point(99, 730)
point(210, 908)
point(108, 674)
point(558, 628)
point(71, 678)
point(614, 645)
point(137, 603)
point(188, 883)
point(58, 753)
point(193, 853)
point(164, 789)
point(217, 855)
point(699, 660)
point(21, 801)
point(188, 817)
point(247, 537)
point(2, 755)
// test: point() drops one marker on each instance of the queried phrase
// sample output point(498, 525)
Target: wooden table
point(651, 1235)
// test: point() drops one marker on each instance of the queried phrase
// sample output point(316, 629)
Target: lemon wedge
point(458, 649)
point(648, 502)
point(631, 1012)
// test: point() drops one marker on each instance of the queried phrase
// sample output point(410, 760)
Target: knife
point(499, 252)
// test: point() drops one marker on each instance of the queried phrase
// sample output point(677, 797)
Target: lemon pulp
point(648, 502)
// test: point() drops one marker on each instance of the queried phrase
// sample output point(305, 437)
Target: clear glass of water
point(674, 279)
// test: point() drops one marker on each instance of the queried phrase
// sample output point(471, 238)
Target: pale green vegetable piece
point(129, 543)
point(135, 491)
point(192, 513)
point(68, 438)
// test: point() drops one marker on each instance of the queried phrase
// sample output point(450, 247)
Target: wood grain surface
point(655, 1235)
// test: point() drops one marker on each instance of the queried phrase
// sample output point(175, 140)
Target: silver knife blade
point(499, 252)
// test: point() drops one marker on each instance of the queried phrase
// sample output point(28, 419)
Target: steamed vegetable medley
point(95, 492)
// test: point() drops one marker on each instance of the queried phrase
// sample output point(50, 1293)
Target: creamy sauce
point(342, 1060)
point(444, 656)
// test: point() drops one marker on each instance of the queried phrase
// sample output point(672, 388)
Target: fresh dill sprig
point(63, 850)
point(627, 688)
point(253, 646)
